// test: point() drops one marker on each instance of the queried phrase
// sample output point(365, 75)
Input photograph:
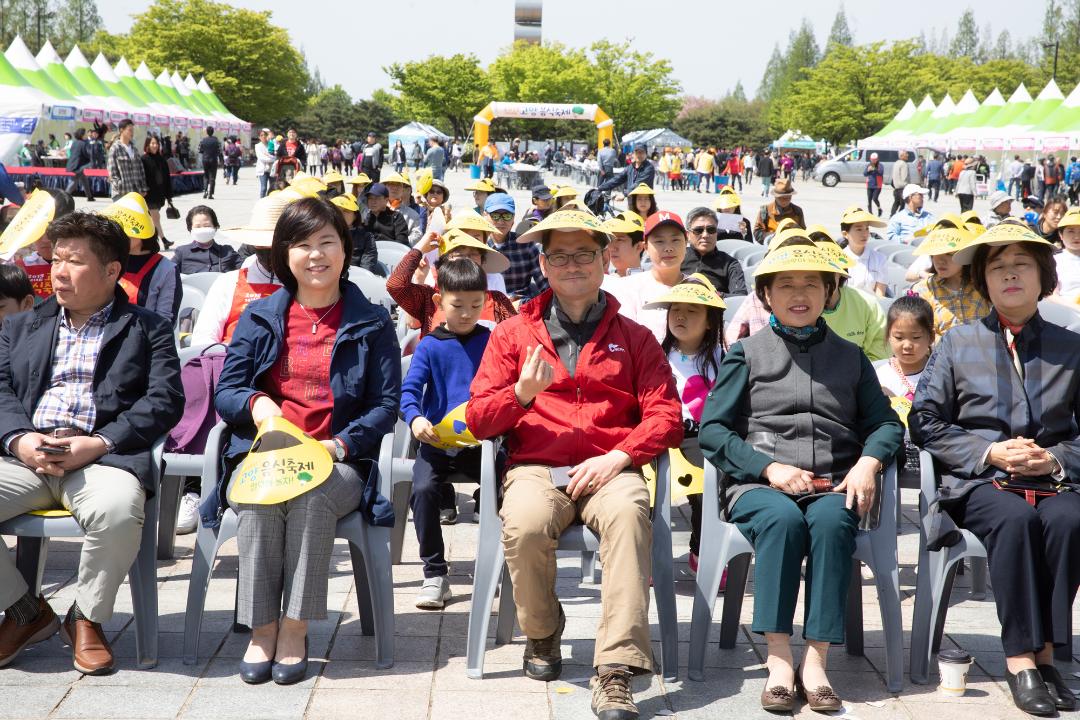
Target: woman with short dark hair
point(997, 407)
point(158, 183)
point(321, 355)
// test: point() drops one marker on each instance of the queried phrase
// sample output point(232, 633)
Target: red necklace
point(910, 395)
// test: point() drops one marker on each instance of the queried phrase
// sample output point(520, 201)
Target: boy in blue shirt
point(438, 381)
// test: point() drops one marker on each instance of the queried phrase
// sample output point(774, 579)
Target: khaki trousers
point(534, 513)
point(108, 505)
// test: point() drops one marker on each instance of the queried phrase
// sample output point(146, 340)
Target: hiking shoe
point(187, 519)
point(476, 506)
point(543, 657)
point(433, 593)
point(448, 516)
point(611, 695)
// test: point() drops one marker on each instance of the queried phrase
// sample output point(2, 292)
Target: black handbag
point(171, 212)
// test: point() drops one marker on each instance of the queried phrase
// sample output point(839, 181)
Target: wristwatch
point(339, 450)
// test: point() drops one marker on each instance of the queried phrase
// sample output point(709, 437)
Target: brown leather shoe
point(820, 699)
point(92, 654)
point(15, 637)
point(778, 699)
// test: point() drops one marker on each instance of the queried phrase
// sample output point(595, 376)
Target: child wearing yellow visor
point(695, 347)
point(417, 299)
point(150, 279)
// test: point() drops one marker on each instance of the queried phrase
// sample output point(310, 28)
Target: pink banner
point(117, 115)
point(140, 118)
point(197, 123)
point(90, 114)
point(1055, 144)
point(1022, 143)
point(992, 144)
point(161, 119)
point(180, 121)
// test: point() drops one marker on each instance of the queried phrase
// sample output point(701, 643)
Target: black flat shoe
point(291, 674)
point(1029, 692)
point(255, 673)
point(1055, 685)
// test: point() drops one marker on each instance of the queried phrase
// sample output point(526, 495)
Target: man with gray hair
point(723, 271)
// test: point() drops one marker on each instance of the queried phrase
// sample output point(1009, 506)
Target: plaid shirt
point(951, 308)
point(523, 278)
point(69, 399)
point(126, 170)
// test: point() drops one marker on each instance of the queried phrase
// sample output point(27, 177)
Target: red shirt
point(299, 381)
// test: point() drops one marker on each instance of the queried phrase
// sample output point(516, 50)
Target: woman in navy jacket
point(997, 407)
point(320, 354)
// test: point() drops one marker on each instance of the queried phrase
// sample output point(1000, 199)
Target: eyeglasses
point(705, 230)
point(502, 216)
point(585, 257)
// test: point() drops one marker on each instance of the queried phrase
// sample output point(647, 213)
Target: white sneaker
point(188, 517)
point(434, 593)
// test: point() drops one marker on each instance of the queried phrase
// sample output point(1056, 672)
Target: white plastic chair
point(373, 286)
point(722, 545)
point(33, 531)
point(490, 567)
point(369, 547)
point(201, 281)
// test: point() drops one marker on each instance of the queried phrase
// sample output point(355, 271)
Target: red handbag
point(1032, 490)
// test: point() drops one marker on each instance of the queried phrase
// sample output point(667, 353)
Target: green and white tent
point(1060, 130)
point(1018, 134)
point(966, 135)
point(21, 108)
point(95, 106)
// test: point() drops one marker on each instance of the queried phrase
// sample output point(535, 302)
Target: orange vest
point(131, 282)
point(245, 294)
point(40, 275)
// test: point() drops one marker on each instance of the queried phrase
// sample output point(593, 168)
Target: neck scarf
point(797, 334)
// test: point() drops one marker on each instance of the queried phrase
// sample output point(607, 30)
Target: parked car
point(849, 166)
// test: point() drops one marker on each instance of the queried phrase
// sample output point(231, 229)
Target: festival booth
point(42, 95)
point(414, 132)
point(656, 139)
point(793, 140)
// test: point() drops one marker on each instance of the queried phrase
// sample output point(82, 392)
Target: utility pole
point(1055, 45)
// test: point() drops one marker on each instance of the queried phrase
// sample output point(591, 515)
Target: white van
point(849, 166)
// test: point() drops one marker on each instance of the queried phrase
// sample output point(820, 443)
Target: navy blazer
point(365, 382)
point(971, 396)
point(137, 390)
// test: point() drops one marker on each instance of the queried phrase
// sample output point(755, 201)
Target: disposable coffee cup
point(953, 666)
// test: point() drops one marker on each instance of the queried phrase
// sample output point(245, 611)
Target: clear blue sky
point(711, 45)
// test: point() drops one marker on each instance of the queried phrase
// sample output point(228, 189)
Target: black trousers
point(898, 201)
point(1034, 558)
point(431, 470)
point(967, 201)
point(210, 177)
point(82, 181)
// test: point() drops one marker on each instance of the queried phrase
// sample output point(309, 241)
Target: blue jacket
point(631, 177)
point(365, 380)
point(442, 369)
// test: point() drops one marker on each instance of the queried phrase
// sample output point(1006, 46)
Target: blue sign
point(62, 112)
point(20, 125)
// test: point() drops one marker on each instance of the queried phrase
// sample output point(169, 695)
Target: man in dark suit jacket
point(88, 383)
point(78, 161)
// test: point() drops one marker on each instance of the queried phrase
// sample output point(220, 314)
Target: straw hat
point(131, 214)
point(782, 187)
point(259, 230)
point(494, 261)
point(799, 258)
point(471, 221)
point(568, 219)
point(695, 290)
point(1006, 232)
point(855, 214)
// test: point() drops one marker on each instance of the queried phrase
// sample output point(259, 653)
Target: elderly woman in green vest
point(800, 446)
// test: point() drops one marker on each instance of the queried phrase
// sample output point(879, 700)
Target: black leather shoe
point(1029, 692)
point(255, 673)
point(1059, 692)
point(291, 674)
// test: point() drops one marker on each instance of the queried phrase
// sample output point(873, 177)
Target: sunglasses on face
point(502, 216)
point(705, 230)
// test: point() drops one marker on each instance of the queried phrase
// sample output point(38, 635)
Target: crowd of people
point(589, 344)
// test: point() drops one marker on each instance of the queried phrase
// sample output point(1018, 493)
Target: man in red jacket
point(584, 397)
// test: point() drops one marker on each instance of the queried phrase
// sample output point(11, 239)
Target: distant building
point(527, 18)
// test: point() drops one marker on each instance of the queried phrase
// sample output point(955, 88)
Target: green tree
point(441, 90)
point(840, 33)
point(77, 22)
point(726, 123)
point(251, 63)
point(377, 114)
point(1003, 47)
point(636, 89)
point(738, 93)
point(329, 116)
point(966, 41)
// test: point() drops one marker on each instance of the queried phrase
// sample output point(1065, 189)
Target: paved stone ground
point(428, 680)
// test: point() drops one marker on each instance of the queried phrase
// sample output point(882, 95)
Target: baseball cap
point(499, 201)
point(541, 192)
point(913, 188)
point(640, 146)
point(378, 190)
point(663, 217)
